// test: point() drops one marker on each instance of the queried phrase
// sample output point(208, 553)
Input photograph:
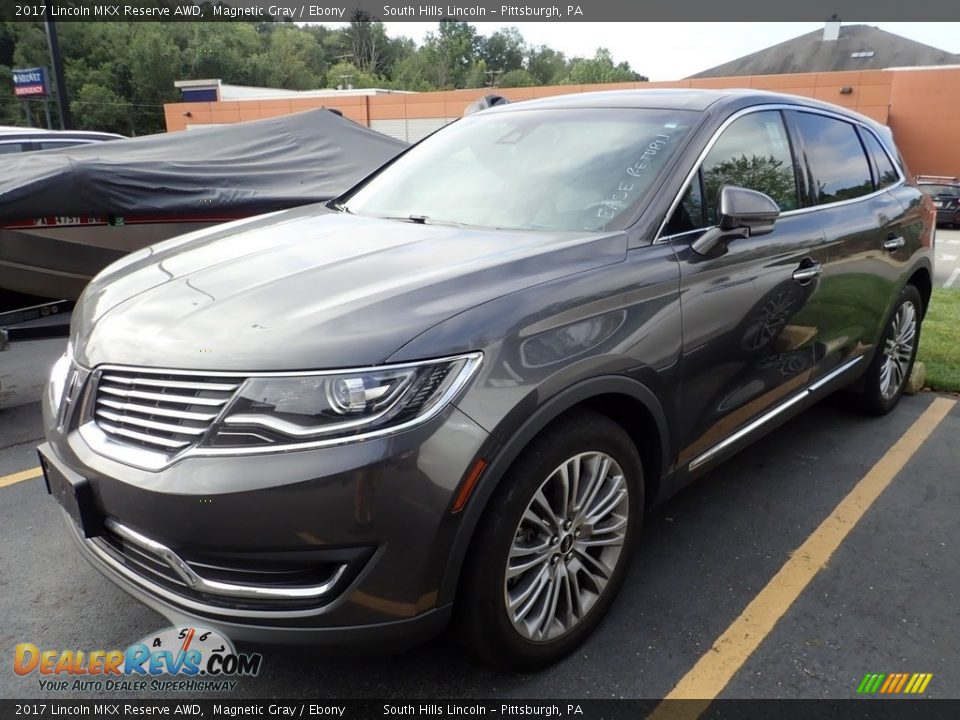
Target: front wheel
point(893, 358)
point(553, 547)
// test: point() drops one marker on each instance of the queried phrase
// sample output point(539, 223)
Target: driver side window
point(754, 153)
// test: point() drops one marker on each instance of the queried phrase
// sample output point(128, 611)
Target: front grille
point(159, 411)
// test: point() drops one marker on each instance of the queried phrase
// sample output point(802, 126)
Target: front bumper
point(368, 523)
point(392, 635)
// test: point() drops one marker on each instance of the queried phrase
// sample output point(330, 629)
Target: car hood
point(309, 289)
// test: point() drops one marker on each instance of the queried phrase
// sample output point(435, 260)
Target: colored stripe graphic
point(894, 683)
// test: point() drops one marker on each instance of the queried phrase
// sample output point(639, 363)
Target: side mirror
point(743, 213)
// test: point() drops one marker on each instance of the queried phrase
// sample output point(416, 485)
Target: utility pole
point(63, 103)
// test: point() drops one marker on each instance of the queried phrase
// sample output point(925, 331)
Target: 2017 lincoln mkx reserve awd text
point(453, 392)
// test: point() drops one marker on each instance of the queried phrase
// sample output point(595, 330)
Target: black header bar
point(854, 709)
point(511, 11)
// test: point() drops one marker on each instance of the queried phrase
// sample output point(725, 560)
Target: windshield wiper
point(427, 220)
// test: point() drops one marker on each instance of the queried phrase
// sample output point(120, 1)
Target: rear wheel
point(553, 547)
point(894, 356)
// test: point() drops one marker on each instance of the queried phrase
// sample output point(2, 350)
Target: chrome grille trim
point(150, 410)
point(179, 384)
point(163, 397)
point(156, 410)
point(142, 437)
point(150, 424)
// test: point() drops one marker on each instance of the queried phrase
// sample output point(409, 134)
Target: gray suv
point(453, 392)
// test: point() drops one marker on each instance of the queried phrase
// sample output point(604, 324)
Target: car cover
point(246, 168)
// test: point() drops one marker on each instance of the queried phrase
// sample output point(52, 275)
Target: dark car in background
point(453, 391)
point(945, 192)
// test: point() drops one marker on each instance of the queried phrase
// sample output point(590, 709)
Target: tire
point(887, 375)
point(515, 639)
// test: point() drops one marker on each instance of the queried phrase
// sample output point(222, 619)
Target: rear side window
point(887, 173)
point(60, 144)
point(754, 153)
point(8, 148)
point(835, 158)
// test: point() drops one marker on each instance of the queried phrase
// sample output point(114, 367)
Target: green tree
point(292, 60)
point(504, 50)
point(412, 73)
point(450, 53)
point(546, 65)
point(478, 76)
point(11, 111)
point(101, 108)
point(368, 42)
point(599, 69)
point(518, 78)
point(347, 74)
point(221, 50)
point(120, 74)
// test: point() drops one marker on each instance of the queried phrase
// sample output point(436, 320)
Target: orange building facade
point(921, 105)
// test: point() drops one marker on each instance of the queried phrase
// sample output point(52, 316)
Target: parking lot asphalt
point(887, 601)
point(947, 257)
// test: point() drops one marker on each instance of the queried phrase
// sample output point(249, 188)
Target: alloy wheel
point(898, 350)
point(566, 546)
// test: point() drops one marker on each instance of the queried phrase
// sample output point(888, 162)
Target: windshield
point(933, 190)
point(573, 169)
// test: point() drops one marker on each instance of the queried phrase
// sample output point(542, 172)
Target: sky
point(671, 51)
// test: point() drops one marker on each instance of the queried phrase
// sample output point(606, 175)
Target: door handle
point(894, 243)
point(806, 273)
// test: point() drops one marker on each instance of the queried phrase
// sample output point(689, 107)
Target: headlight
point(289, 410)
point(58, 381)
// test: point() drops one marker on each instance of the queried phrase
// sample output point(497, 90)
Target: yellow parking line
point(20, 476)
point(712, 672)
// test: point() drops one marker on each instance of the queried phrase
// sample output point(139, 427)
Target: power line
point(121, 104)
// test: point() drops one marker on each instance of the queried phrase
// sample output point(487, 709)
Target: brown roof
point(811, 53)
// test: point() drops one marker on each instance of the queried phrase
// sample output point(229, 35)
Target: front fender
point(517, 438)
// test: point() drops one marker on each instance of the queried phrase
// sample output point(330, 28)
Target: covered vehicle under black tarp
point(249, 167)
point(67, 214)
